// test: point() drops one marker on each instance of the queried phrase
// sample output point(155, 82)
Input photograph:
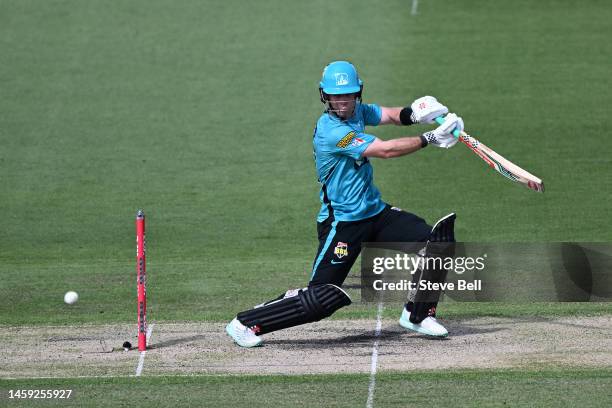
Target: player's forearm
point(397, 116)
point(386, 149)
point(391, 116)
point(403, 146)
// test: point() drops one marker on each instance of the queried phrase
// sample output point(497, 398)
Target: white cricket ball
point(71, 297)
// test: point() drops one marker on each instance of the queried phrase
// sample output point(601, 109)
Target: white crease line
point(141, 358)
point(372, 386)
point(140, 363)
point(415, 6)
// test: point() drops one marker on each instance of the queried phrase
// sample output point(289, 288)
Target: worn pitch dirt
point(332, 346)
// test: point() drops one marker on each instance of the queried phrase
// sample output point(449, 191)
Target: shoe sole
point(417, 328)
point(229, 332)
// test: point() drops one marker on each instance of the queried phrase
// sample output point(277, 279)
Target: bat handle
point(440, 120)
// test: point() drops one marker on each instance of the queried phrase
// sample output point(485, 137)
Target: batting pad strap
point(308, 305)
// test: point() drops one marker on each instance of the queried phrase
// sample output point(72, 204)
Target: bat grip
point(440, 120)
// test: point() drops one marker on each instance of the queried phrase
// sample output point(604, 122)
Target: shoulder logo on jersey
point(341, 249)
point(357, 142)
point(346, 140)
point(341, 78)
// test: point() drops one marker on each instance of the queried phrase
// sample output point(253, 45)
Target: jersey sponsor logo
point(346, 140)
point(341, 79)
point(341, 250)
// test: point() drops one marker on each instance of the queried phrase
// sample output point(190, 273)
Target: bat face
point(502, 165)
point(497, 162)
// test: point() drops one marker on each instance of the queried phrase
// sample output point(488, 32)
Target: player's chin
point(343, 114)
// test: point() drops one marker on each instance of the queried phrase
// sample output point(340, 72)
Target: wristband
point(424, 141)
point(406, 116)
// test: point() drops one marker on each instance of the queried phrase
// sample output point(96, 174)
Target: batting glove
point(442, 136)
point(427, 109)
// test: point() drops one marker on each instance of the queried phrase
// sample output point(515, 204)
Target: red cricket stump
point(141, 278)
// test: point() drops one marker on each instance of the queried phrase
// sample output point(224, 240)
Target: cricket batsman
point(352, 210)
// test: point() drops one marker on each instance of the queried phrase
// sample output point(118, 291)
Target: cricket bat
point(497, 162)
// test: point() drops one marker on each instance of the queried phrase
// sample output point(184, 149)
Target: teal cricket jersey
point(347, 191)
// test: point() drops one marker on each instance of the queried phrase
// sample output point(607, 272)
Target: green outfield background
point(201, 113)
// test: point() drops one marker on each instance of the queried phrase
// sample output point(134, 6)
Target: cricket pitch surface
point(332, 346)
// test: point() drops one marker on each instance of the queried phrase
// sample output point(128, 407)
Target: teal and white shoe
point(428, 326)
point(242, 335)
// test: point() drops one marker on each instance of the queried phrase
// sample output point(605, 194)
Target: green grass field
point(202, 113)
point(460, 389)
